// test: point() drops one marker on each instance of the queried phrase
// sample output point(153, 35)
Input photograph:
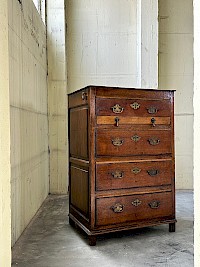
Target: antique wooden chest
point(121, 159)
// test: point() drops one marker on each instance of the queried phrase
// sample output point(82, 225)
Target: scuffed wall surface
point(176, 72)
point(5, 211)
point(28, 109)
point(57, 99)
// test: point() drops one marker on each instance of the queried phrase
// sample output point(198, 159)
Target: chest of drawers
point(121, 159)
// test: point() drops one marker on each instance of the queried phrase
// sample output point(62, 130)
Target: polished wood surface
point(137, 207)
point(121, 143)
point(150, 108)
point(134, 174)
point(121, 148)
point(78, 99)
point(79, 132)
point(80, 189)
point(133, 120)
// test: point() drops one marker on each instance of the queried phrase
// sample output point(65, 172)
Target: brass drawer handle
point(117, 108)
point(117, 208)
point(153, 172)
point(136, 170)
point(152, 110)
point(136, 202)
point(84, 96)
point(117, 174)
point(117, 142)
point(154, 141)
point(135, 105)
point(154, 204)
point(135, 138)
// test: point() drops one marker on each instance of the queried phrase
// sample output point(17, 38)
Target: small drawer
point(126, 143)
point(133, 174)
point(132, 107)
point(126, 120)
point(78, 99)
point(115, 210)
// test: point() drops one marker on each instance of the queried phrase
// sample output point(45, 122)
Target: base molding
point(93, 233)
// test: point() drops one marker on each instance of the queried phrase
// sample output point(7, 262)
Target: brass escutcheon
point(117, 108)
point(154, 204)
point(136, 170)
point(117, 174)
point(135, 138)
point(152, 110)
point(154, 141)
point(135, 105)
point(117, 142)
point(153, 172)
point(117, 208)
point(136, 202)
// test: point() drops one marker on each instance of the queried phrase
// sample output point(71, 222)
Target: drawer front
point(132, 107)
point(122, 120)
point(78, 99)
point(123, 209)
point(134, 174)
point(120, 143)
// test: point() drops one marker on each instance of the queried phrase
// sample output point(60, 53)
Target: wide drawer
point(132, 107)
point(123, 209)
point(133, 174)
point(125, 143)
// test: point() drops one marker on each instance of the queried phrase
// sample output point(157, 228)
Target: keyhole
point(117, 121)
point(153, 121)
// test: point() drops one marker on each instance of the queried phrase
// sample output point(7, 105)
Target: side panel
point(79, 133)
point(79, 156)
point(79, 189)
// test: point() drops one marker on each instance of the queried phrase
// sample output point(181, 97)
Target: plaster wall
point(57, 96)
point(111, 43)
point(176, 72)
point(196, 154)
point(5, 190)
point(28, 113)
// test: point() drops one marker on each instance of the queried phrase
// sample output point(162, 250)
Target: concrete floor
point(50, 241)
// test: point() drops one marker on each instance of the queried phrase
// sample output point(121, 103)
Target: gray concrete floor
point(49, 241)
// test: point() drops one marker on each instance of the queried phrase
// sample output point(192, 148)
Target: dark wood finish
point(172, 227)
point(121, 145)
point(133, 174)
point(125, 145)
point(92, 240)
point(78, 99)
point(145, 107)
point(79, 133)
point(133, 120)
point(136, 207)
point(79, 189)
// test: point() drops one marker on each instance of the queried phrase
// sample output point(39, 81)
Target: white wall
point(111, 43)
point(5, 211)
point(57, 96)
point(176, 72)
point(28, 108)
point(196, 132)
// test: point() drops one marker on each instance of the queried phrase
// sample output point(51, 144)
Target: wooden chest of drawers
point(121, 159)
